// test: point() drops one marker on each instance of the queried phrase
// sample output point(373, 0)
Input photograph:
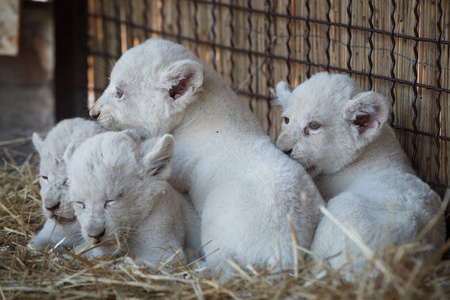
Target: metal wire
point(197, 39)
point(438, 95)
point(213, 34)
point(163, 17)
point(268, 62)
point(392, 71)
point(118, 24)
point(146, 14)
point(178, 21)
point(349, 34)
point(230, 24)
point(327, 48)
point(415, 85)
point(105, 39)
point(288, 39)
point(369, 56)
point(130, 30)
point(250, 56)
point(308, 43)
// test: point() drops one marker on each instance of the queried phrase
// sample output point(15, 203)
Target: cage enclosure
point(398, 49)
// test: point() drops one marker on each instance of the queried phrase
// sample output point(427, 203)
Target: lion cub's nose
point(288, 152)
point(54, 207)
point(94, 115)
point(97, 237)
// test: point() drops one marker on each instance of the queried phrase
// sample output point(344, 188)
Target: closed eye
point(109, 203)
point(44, 177)
point(80, 204)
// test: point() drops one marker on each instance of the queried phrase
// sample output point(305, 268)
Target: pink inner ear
point(180, 88)
point(363, 122)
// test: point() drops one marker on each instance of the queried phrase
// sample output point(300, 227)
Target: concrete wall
point(26, 80)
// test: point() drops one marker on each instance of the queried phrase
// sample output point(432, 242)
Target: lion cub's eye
point(119, 93)
point(286, 120)
point(314, 125)
point(80, 204)
point(109, 203)
point(44, 177)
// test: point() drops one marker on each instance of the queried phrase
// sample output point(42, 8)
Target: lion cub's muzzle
point(97, 236)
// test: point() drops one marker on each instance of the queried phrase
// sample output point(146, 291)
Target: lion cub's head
point(327, 119)
point(53, 176)
point(150, 87)
point(115, 180)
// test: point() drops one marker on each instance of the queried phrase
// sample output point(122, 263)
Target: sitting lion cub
point(242, 186)
point(119, 189)
point(339, 134)
point(61, 221)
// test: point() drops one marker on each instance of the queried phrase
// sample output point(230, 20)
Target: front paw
point(126, 261)
point(39, 244)
point(93, 253)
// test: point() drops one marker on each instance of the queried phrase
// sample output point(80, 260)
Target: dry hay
point(45, 275)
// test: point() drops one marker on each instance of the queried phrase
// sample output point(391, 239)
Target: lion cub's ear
point(182, 79)
point(284, 92)
point(71, 148)
point(366, 113)
point(159, 160)
point(38, 142)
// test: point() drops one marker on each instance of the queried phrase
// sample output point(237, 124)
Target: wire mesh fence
point(397, 48)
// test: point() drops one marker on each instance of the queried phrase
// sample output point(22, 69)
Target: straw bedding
point(30, 274)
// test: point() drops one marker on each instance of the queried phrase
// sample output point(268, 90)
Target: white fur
point(242, 186)
point(61, 223)
point(118, 186)
point(358, 166)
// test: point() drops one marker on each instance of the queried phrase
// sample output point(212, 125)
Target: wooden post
point(70, 59)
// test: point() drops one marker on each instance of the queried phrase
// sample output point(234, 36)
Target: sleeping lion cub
point(119, 189)
point(61, 226)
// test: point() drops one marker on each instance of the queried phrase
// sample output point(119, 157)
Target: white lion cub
point(339, 134)
point(242, 186)
point(120, 193)
point(61, 221)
